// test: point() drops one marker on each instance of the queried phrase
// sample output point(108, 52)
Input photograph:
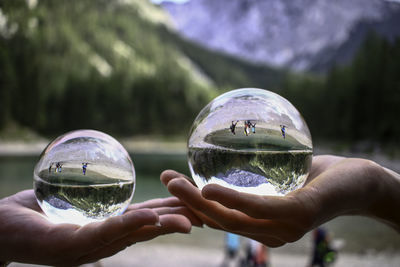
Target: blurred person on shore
point(323, 255)
point(261, 255)
point(257, 255)
point(232, 249)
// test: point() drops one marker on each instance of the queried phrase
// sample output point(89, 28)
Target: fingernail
point(158, 224)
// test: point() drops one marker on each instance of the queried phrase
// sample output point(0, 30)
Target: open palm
point(335, 186)
point(27, 236)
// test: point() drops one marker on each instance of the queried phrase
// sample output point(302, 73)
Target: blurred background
point(141, 70)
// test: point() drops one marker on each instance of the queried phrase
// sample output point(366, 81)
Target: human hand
point(27, 236)
point(336, 186)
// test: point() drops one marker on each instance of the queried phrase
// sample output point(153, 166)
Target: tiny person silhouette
point(51, 165)
point(233, 127)
point(253, 127)
point(58, 167)
point(247, 127)
point(283, 130)
point(84, 167)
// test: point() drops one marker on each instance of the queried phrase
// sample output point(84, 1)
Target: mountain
point(387, 28)
point(296, 34)
point(114, 65)
point(95, 64)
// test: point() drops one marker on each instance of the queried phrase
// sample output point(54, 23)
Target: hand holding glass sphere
point(252, 141)
point(83, 177)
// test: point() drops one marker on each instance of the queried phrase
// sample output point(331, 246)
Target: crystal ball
point(251, 140)
point(84, 176)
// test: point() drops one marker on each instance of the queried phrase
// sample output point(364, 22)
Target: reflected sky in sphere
point(84, 176)
point(251, 140)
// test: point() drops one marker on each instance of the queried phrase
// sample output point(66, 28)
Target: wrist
point(388, 199)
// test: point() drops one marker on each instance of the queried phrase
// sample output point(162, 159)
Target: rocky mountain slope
point(297, 33)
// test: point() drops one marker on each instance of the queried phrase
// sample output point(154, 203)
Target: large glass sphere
point(84, 176)
point(250, 140)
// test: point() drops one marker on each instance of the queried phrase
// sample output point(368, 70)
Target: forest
point(358, 102)
point(104, 65)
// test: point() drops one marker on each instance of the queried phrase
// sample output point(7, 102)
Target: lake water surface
point(16, 173)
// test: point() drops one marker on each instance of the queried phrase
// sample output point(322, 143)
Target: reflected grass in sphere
point(251, 140)
point(84, 176)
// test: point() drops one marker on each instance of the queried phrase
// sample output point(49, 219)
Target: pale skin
point(336, 186)
point(27, 236)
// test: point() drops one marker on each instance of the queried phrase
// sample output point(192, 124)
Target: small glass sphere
point(251, 140)
point(84, 176)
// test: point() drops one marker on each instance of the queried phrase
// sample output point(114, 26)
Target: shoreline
point(18, 148)
point(156, 146)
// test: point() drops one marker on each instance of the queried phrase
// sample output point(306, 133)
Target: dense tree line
point(359, 102)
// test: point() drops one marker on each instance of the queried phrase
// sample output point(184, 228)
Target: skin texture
point(336, 186)
point(27, 236)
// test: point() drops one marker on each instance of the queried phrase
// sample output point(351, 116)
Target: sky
point(176, 1)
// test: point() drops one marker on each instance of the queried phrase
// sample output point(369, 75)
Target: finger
point(169, 224)
point(95, 235)
point(259, 207)
point(227, 219)
point(167, 175)
point(206, 220)
point(233, 220)
point(156, 203)
point(195, 220)
point(174, 223)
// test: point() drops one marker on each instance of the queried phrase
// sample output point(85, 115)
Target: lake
point(16, 173)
